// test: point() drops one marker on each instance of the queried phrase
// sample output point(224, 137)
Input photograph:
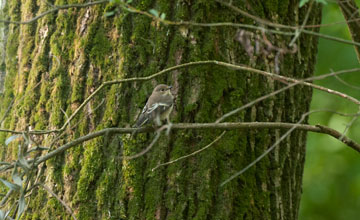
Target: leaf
point(109, 13)
point(22, 161)
point(21, 206)
point(6, 214)
point(26, 138)
point(11, 138)
point(302, 3)
point(154, 12)
point(17, 179)
point(322, 2)
point(129, 1)
point(10, 185)
point(162, 16)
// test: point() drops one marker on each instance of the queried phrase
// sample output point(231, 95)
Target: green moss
point(92, 166)
point(283, 7)
point(97, 45)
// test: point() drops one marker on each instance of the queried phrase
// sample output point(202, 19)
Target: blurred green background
point(331, 183)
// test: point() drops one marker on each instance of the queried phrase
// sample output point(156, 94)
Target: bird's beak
point(169, 87)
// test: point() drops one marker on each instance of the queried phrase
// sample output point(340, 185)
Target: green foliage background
point(331, 184)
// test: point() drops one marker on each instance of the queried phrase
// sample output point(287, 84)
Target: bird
point(158, 107)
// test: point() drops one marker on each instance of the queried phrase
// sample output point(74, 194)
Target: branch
point(55, 9)
point(323, 129)
point(189, 155)
point(131, 9)
point(298, 31)
point(158, 133)
point(277, 142)
point(350, 11)
point(61, 201)
point(280, 78)
point(127, 7)
point(346, 83)
point(276, 25)
point(224, 126)
point(214, 62)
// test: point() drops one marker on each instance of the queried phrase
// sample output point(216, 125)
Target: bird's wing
point(160, 106)
point(143, 117)
point(149, 112)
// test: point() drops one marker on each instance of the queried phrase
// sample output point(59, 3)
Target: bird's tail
point(142, 120)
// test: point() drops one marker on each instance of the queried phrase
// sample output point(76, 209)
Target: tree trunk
point(52, 65)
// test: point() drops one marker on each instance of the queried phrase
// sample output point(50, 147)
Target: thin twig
point(208, 62)
point(213, 62)
point(7, 111)
point(346, 83)
point(192, 154)
point(60, 200)
point(268, 150)
point(131, 9)
point(166, 22)
point(156, 138)
point(6, 197)
point(249, 104)
point(55, 9)
point(296, 82)
point(224, 126)
point(276, 25)
point(348, 125)
point(331, 24)
point(298, 31)
point(350, 11)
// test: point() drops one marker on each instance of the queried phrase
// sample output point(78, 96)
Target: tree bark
point(52, 65)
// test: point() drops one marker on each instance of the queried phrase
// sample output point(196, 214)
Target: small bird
point(158, 107)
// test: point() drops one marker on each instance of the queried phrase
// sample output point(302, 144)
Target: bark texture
point(52, 65)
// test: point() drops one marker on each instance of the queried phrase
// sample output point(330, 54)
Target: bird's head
point(162, 89)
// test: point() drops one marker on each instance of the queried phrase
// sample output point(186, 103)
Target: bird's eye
point(162, 90)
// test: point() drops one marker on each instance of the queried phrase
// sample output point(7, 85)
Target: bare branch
point(7, 111)
point(280, 78)
point(189, 23)
point(60, 200)
point(346, 83)
point(331, 24)
point(156, 138)
point(233, 66)
point(55, 8)
point(192, 154)
point(277, 142)
point(348, 125)
point(351, 11)
point(6, 197)
point(296, 82)
point(298, 31)
point(224, 126)
point(276, 25)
